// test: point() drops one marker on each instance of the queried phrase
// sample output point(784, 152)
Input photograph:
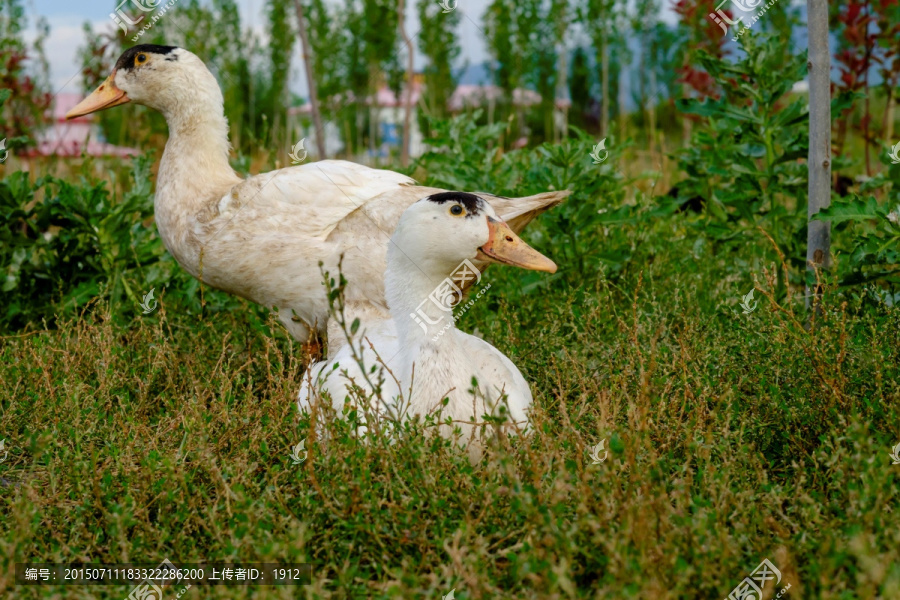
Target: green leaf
point(856, 209)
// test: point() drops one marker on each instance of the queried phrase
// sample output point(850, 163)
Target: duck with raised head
point(262, 238)
point(416, 362)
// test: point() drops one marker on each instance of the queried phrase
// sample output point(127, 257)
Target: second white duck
point(417, 359)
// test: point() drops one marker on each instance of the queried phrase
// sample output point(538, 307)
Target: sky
point(66, 36)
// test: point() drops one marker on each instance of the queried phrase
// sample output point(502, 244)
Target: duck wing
point(315, 197)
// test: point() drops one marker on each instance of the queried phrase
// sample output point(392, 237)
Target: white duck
point(263, 238)
point(407, 364)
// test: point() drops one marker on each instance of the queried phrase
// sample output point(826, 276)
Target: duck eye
point(141, 58)
point(456, 209)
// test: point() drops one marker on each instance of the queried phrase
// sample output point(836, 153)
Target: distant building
point(386, 110)
point(72, 138)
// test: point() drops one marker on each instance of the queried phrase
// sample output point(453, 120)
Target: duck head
point(169, 79)
point(439, 232)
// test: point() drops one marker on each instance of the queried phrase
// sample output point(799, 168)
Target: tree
point(888, 59)
point(337, 66)
point(439, 43)
point(645, 25)
point(583, 108)
point(819, 162)
point(853, 54)
point(379, 34)
point(697, 32)
point(310, 79)
point(524, 37)
point(501, 29)
point(604, 25)
point(281, 44)
point(27, 99)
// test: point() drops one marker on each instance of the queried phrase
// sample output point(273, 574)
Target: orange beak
point(504, 246)
point(105, 96)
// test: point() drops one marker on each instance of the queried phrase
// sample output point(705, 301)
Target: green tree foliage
point(524, 38)
point(438, 41)
point(743, 159)
point(508, 68)
point(606, 26)
point(337, 63)
point(580, 113)
point(276, 97)
point(23, 76)
point(867, 234)
point(382, 52)
point(356, 50)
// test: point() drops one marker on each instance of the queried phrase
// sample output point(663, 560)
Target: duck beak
point(105, 96)
point(504, 246)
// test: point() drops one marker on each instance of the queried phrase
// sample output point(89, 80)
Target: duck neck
point(194, 173)
point(426, 332)
point(196, 154)
point(413, 292)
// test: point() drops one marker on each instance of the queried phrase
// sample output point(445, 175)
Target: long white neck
point(425, 329)
point(194, 172)
point(412, 292)
point(196, 154)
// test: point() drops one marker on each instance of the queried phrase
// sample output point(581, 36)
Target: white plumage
point(419, 356)
point(263, 238)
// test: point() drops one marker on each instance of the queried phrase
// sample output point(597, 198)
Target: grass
point(733, 438)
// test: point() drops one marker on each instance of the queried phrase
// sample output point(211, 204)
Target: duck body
point(262, 238)
point(414, 379)
point(416, 362)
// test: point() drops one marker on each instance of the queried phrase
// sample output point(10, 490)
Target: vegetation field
point(707, 403)
point(730, 435)
point(731, 438)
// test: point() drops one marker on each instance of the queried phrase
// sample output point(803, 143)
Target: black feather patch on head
point(471, 202)
point(126, 61)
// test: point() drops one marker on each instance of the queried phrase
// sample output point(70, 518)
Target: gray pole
point(818, 241)
point(407, 97)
